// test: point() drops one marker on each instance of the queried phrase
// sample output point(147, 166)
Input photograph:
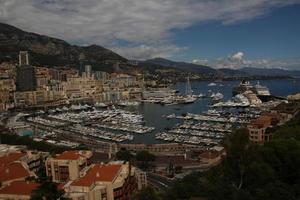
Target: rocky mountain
point(193, 68)
point(48, 51)
point(270, 72)
point(233, 72)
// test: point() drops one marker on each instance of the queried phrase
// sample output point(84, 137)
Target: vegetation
point(147, 193)
point(124, 154)
point(48, 191)
point(250, 172)
point(144, 158)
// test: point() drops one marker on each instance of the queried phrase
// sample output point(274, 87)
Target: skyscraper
point(88, 70)
point(23, 58)
point(81, 63)
point(25, 79)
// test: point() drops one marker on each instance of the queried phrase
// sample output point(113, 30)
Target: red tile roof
point(11, 157)
point(69, 155)
point(19, 188)
point(10, 169)
point(13, 171)
point(98, 173)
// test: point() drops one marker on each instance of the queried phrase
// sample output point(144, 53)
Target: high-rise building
point(81, 63)
point(88, 70)
point(26, 77)
point(23, 58)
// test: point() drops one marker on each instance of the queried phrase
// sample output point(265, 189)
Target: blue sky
point(219, 33)
point(274, 36)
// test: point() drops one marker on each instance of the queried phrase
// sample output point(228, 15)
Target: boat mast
point(188, 87)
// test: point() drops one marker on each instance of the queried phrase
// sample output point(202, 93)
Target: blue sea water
point(153, 112)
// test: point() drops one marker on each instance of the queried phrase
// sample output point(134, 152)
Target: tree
point(47, 191)
point(147, 193)
point(144, 157)
point(124, 154)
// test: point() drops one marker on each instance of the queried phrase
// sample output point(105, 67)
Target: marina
point(202, 122)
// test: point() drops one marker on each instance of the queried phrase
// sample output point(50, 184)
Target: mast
point(188, 90)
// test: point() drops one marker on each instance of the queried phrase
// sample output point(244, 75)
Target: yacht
point(261, 90)
point(212, 84)
point(242, 87)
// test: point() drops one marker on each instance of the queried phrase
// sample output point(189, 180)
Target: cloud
point(238, 56)
point(238, 60)
point(200, 61)
point(138, 24)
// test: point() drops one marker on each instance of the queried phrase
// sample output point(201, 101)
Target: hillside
point(190, 67)
point(270, 72)
point(48, 51)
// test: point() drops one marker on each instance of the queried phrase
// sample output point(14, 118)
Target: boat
point(261, 90)
point(189, 98)
point(242, 87)
point(100, 105)
point(129, 103)
point(201, 95)
point(211, 84)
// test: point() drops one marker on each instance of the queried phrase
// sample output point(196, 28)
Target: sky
point(219, 33)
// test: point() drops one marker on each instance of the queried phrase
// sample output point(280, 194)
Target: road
point(158, 181)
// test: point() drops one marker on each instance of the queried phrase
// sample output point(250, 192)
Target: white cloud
point(238, 60)
point(238, 56)
point(135, 24)
point(200, 61)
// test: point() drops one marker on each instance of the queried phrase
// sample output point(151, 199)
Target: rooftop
point(19, 188)
point(13, 171)
point(11, 157)
point(73, 155)
point(98, 173)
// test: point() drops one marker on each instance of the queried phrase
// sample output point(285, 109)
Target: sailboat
point(189, 98)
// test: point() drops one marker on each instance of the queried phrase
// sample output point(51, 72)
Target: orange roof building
point(67, 165)
point(12, 168)
point(111, 181)
point(18, 190)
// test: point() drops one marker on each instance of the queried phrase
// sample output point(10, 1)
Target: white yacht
point(212, 84)
point(261, 90)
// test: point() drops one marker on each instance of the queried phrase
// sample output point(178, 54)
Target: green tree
point(147, 193)
point(124, 154)
point(144, 157)
point(47, 191)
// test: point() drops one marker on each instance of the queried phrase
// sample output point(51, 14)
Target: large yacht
point(242, 87)
point(261, 90)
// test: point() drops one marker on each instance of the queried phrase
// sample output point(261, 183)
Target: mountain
point(270, 72)
point(190, 67)
point(48, 51)
point(233, 72)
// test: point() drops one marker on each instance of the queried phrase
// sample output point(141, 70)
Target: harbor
point(201, 122)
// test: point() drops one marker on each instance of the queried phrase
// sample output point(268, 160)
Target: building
point(23, 58)
point(18, 190)
point(141, 177)
point(25, 75)
point(26, 79)
point(258, 128)
point(88, 71)
point(13, 167)
point(114, 181)
point(68, 165)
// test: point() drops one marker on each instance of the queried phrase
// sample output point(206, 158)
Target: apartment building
point(67, 165)
point(114, 181)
